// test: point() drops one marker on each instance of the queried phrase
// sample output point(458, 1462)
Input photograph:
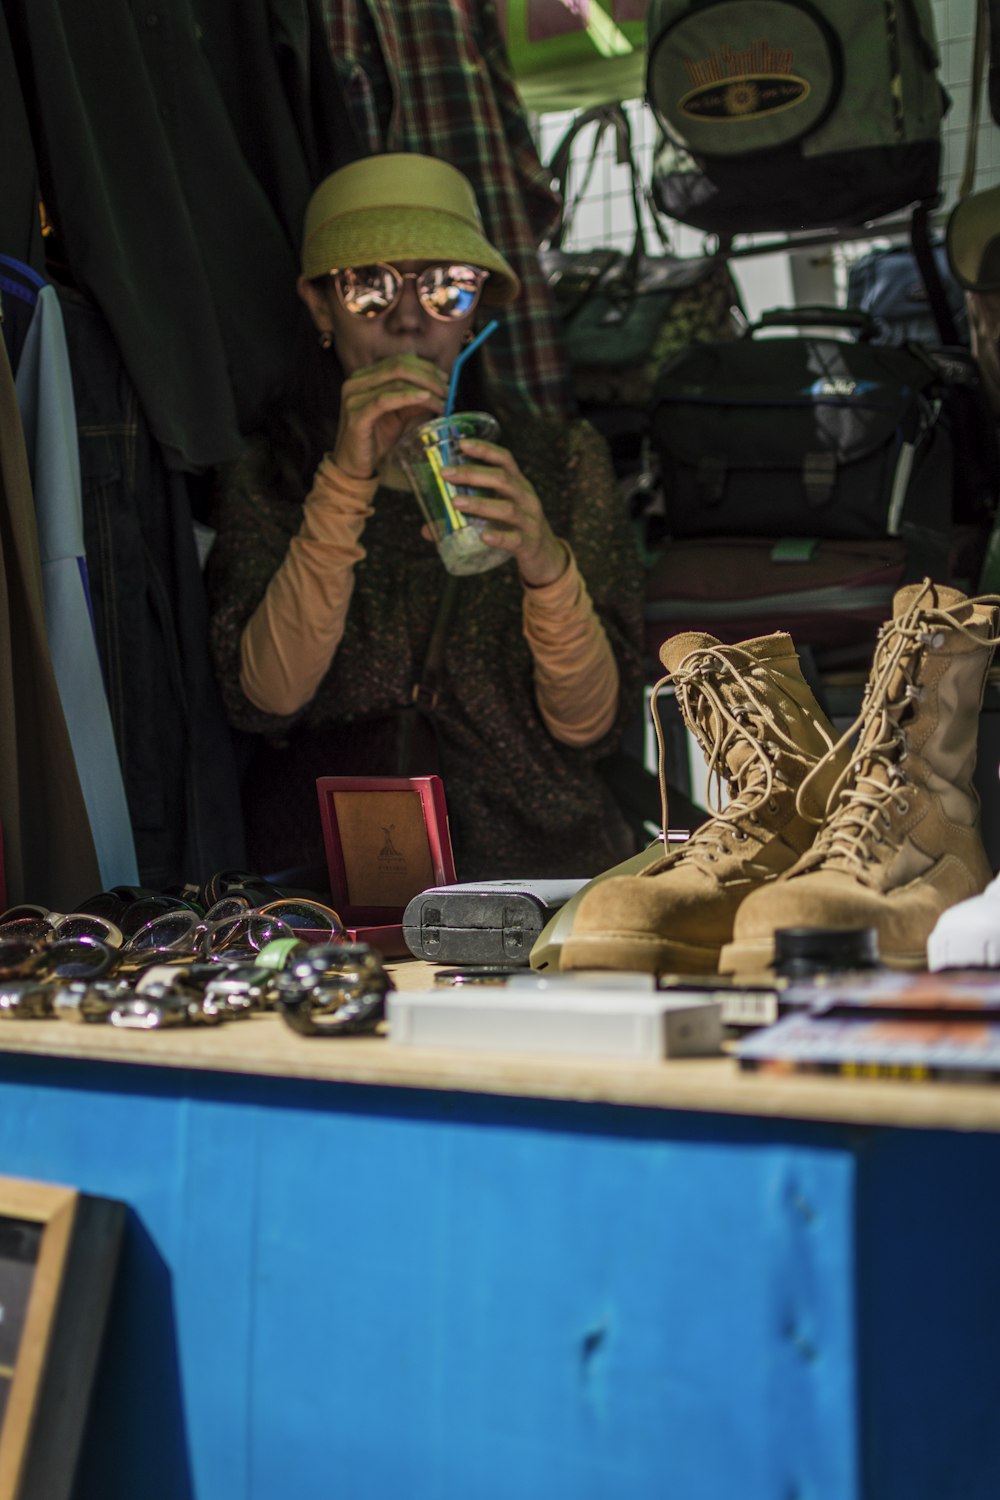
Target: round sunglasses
point(446, 291)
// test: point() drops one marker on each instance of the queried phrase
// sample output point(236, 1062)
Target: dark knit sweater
point(520, 803)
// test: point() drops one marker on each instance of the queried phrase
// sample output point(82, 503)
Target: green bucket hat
point(400, 206)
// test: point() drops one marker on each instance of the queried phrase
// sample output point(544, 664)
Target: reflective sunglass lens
point(20, 955)
point(173, 930)
point(30, 929)
point(449, 291)
point(82, 924)
point(445, 291)
point(105, 904)
point(367, 291)
point(25, 909)
point(78, 958)
point(227, 906)
point(150, 908)
point(306, 916)
point(263, 930)
point(252, 931)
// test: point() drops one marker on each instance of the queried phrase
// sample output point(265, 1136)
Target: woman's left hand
point(517, 522)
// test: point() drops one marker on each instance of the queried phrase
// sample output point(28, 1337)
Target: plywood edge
point(265, 1047)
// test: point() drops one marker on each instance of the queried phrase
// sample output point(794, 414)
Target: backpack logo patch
point(742, 83)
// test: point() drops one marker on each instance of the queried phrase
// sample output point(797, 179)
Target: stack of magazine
point(886, 1025)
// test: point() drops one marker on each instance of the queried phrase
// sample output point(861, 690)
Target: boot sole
point(637, 951)
point(752, 957)
point(747, 957)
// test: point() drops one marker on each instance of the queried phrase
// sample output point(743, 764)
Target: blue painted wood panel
point(929, 1314)
point(403, 1295)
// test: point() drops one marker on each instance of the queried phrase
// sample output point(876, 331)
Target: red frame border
point(368, 922)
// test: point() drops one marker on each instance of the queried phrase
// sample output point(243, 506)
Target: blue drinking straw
point(460, 361)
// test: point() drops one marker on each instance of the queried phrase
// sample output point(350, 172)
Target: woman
point(324, 585)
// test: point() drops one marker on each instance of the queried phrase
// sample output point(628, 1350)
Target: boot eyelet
point(772, 804)
point(904, 807)
point(937, 640)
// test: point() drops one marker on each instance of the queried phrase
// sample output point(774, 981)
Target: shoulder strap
point(920, 239)
point(980, 48)
point(606, 117)
point(425, 689)
point(993, 7)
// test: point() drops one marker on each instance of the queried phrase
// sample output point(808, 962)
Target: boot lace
point(718, 700)
point(874, 783)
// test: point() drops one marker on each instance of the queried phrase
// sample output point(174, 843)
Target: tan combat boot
point(761, 731)
point(900, 842)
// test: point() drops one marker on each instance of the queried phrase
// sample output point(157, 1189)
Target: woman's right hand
point(379, 403)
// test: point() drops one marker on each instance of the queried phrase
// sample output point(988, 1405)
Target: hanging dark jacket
point(20, 225)
point(150, 616)
point(172, 161)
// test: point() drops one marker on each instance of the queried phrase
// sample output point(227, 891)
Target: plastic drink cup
point(423, 453)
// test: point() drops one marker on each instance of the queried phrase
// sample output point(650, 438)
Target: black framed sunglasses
point(446, 291)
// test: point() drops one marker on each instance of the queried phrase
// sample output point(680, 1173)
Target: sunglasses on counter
point(54, 925)
point(186, 934)
point(80, 957)
point(231, 927)
point(446, 291)
point(305, 915)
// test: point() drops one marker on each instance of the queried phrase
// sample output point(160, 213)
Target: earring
point(326, 339)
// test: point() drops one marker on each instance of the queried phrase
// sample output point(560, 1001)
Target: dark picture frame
point(58, 1254)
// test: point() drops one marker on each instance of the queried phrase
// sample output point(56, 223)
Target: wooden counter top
point(265, 1046)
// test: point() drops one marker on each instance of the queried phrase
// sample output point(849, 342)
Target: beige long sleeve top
point(290, 639)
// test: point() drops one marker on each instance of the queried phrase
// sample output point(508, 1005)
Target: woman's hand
point(378, 404)
point(510, 504)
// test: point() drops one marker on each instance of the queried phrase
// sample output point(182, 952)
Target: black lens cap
point(817, 950)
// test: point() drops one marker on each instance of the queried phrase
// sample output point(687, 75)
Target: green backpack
point(793, 114)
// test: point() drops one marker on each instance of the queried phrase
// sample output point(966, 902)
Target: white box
point(574, 1021)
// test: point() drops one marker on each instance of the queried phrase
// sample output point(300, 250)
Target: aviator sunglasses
point(446, 291)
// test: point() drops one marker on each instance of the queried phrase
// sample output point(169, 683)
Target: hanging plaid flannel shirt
point(434, 76)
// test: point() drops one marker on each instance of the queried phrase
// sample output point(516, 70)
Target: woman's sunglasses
point(446, 292)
